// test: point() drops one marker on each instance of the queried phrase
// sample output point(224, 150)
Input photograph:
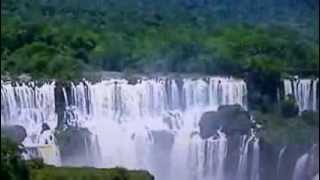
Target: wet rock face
point(45, 127)
point(74, 144)
point(162, 146)
point(16, 133)
point(233, 155)
point(231, 118)
point(268, 161)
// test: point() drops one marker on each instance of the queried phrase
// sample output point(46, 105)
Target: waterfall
point(255, 175)
point(123, 118)
point(243, 161)
point(227, 92)
point(304, 92)
point(314, 94)
point(288, 90)
point(282, 151)
point(300, 167)
point(32, 106)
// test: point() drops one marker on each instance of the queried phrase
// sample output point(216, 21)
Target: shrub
point(12, 165)
point(289, 107)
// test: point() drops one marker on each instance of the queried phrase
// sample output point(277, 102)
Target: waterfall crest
point(125, 119)
point(305, 92)
point(32, 107)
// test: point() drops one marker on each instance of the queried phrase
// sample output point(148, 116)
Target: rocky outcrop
point(230, 118)
point(75, 145)
point(16, 133)
point(268, 160)
point(60, 103)
point(162, 146)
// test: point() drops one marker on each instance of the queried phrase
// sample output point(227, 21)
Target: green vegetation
point(294, 130)
point(56, 40)
point(55, 173)
point(14, 168)
point(289, 107)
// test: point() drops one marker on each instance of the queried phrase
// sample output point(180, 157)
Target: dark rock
point(45, 127)
point(162, 146)
point(233, 155)
point(75, 145)
point(231, 118)
point(268, 160)
point(60, 103)
point(16, 133)
point(133, 79)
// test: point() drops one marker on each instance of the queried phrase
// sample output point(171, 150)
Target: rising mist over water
point(164, 90)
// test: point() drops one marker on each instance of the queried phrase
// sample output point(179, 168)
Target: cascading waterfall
point(123, 118)
point(125, 109)
point(31, 106)
point(255, 175)
point(243, 161)
point(304, 92)
point(300, 167)
point(205, 158)
point(282, 151)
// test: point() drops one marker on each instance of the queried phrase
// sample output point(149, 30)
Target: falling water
point(282, 151)
point(31, 106)
point(123, 117)
point(140, 108)
point(300, 167)
point(255, 175)
point(304, 92)
point(243, 161)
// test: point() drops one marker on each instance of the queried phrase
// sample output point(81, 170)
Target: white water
point(300, 167)
point(255, 175)
point(120, 110)
point(243, 161)
point(282, 151)
point(304, 91)
point(30, 106)
point(123, 116)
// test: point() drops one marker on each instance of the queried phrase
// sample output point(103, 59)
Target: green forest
point(63, 39)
